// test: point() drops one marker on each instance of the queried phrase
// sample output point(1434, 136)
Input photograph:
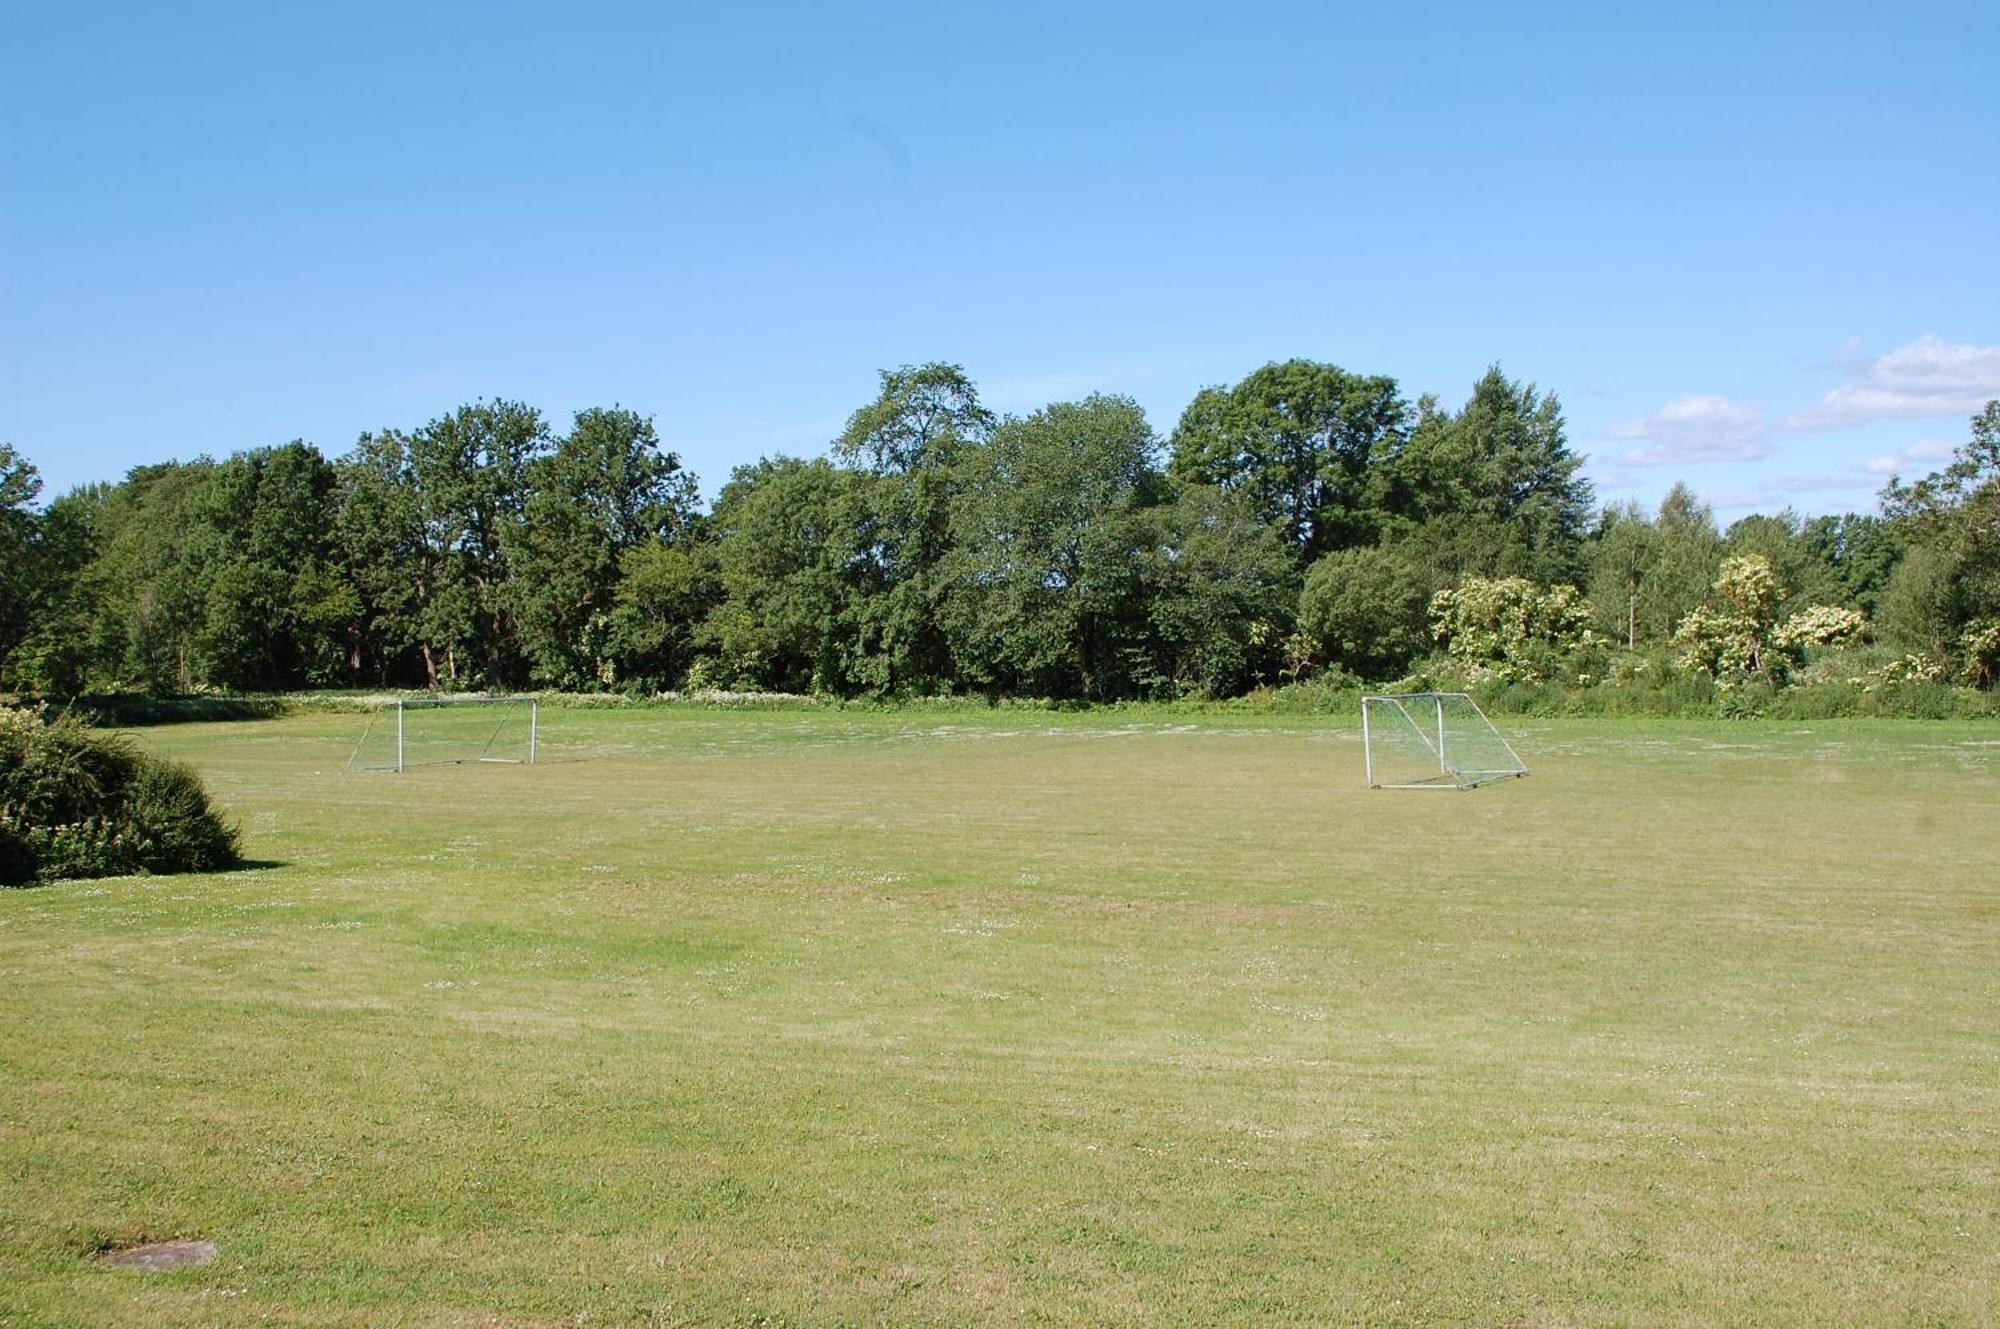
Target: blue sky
point(1748, 246)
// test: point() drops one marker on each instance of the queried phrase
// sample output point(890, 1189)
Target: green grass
point(858, 1018)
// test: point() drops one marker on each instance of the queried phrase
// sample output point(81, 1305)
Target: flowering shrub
point(1912, 669)
point(1514, 630)
point(1719, 642)
point(1980, 644)
point(1731, 640)
point(1821, 625)
point(1748, 584)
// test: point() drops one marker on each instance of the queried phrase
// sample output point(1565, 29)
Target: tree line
point(1304, 520)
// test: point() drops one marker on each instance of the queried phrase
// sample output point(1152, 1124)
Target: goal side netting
point(405, 733)
point(1433, 740)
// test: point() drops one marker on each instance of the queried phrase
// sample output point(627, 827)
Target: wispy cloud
point(1927, 455)
point(1819, 482)
point(1613, 481)
point(1781, 491)
point(1744, 500)
point(1923, 379)
point(1696, 429)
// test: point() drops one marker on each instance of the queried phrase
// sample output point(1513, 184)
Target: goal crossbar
point(500, 741)
point(1433, 740)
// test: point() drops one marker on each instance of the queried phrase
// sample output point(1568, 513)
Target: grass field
point(1016, 1018)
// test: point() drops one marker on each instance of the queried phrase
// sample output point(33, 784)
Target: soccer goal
point(449, 731)
point(1433, 740)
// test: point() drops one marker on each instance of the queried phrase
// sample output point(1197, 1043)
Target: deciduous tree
point(1298, 440)
point(908, 445)
point(1045, 571)
point(606, 489)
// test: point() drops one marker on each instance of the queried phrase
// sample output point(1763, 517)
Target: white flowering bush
point(1748, 584)
point(1980, 645)
point(1731, 638)
point(1720, 642)
point(1820, 625)
point(1511, 629)
point(1913, 669)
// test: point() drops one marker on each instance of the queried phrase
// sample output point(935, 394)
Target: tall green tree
point(71, 639)
point(1046, 585)
point(606, 489)
point(1364, 610)
point(666, 592)
point(1218, 587)
point(148, 583)
point(791, 549)
point(1689, 561)
point(920, 420)
point(470, 469)
point(395, 569)
point(1854, 553)
point(428, 516)
point(1497, 481)
point(278, 608)
point(1779, 538)
point(1950, 582)
point(20, 485)
point(908, 444)
point(1623, 551)
point(1298, 440)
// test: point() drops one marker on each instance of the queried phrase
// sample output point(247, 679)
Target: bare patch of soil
point(159, 1255)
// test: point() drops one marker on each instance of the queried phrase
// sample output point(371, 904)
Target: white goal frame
point(403, 705)
point(1427, 722)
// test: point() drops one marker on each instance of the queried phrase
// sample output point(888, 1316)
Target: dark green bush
point(1332, 691)
point(74, 803)
point(1917, 699)
point(1749, 701)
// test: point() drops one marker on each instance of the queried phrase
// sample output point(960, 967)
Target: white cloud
point(1614, 480)
point(1744, 500)
point(1819, 482)
point(1923, 379)
point(1782, 491)
point(1696, 429)
point(1926, 455)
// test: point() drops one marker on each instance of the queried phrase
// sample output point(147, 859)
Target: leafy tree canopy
point(1298, 439)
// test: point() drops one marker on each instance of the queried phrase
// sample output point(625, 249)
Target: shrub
point(1749, 701)
point(1914, 668)
point(1980, 645)
point(1821, 625)
point(1522, 697)
point(78, 804)
point(1720, 643)
point(1515, 630)
point(1333, 691)
point(1735, 638)
point(1748, 584)
point(1363, 609)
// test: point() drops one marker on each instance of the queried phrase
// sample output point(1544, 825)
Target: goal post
point(1432, 740)
point(408, 732)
